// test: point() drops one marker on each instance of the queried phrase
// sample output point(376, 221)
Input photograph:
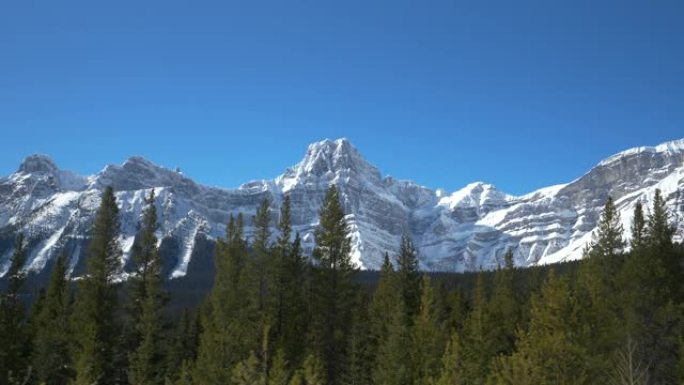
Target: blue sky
point(519, 94)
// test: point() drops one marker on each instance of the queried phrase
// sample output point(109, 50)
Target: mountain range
point(469, 229)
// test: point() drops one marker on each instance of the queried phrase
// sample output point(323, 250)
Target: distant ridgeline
point(467, 230)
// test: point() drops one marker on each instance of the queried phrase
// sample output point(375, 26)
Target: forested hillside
point(277, 317)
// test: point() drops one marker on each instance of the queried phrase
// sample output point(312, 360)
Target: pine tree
point(409, 277)
point(13, 327)
point(184, 343)
point(452, 371)
point(96, 326)
point(427, 337)
point(393, 359)
point(476, 350)
point(360, 351)
point(550, 351)
point(53, 335)
point(248, 372)
point(599, 289)
point(334, 290)
point(279, 373)
point(289, 311)
point(386, 300)
point(658, 228)
point(261, 255)
point(146, 360)
point(311, 373)
point(229, 326)
point(504, 308)
point(638, 228)
point(607, 241)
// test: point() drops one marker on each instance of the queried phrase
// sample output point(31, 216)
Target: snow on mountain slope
point(469, 229)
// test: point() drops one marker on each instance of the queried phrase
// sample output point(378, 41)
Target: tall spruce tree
point(96, 327)
point(146, 361)
point(229, 327)
point(289, 304)
point(334, 290)
point(551, 350)
point(428, 337)
point(599, 289)
point(638, 228)
point(53, 333)
point(452, 371)
point(14, 335)
point(658, 228)
point(386, 300)
point(408, 276)
point(504, 308)
point(476, 350)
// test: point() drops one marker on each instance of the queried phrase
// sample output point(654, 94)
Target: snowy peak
point(139, 173)
point(476, 195)
point(38, 163)
point(468, 229)
point(675, 147)
point(333, 156)
point(329, 160)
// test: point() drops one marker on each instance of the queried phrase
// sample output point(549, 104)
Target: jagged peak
point(672, 147)
point(38, 163)
point(473, 194)
point(332, 156)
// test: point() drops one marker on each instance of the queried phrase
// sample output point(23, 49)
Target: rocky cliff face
point(467, 230)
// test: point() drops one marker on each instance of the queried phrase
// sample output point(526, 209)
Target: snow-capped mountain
point(466, 230)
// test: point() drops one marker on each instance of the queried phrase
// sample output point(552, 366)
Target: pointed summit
point(333, 156)
point(38, 163)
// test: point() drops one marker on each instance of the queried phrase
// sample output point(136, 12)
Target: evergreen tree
point(13, 327)
point(146, 360)
point(96, 326)
point(658, 228)
point(476, 350)
point(334, 290)
point(53, 335)
point(599, 291)
point(504, 308)
point(248, 372)
point(452, 371)
point(360, 351)
point(290, 279)
point(229, 327)
point(550, 351)
point(408, 276)
point(638, 228)
point(608, 241)
point(311, 373)
point(393, 364)
point(427, 337)
point(386, 300)
point(279, 373)
point(184, 343)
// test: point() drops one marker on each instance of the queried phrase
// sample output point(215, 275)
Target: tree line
point(277, 317)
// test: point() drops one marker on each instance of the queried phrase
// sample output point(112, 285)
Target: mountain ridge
point(467, 229)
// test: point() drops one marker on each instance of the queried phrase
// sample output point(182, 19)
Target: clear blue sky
point(521, 94)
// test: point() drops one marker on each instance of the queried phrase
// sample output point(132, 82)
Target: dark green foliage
point(230, 326)
point(408, 277)
point(638, 228)
point(428, 337)
point(51, 361)
point(14, 331)
point(334, 291)
point(550, 351)
point(95, 323)
point(146, 361)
